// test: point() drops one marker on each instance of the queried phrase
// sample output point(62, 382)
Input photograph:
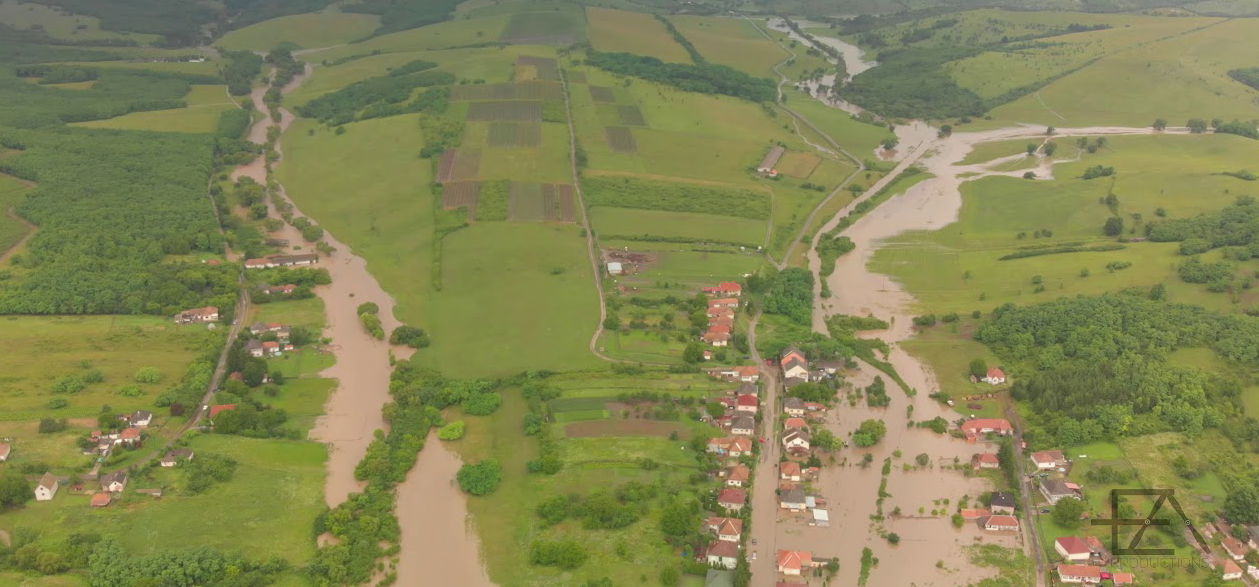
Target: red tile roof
point(1124, 578)
point(1086, 571)
point(1003, 521)
point(130, 434)
point(725, 287)
point(979, 424)
point(1048, 456)
point(996, 373)
point(724, 549)
point(101, 499)
point(216, 410)
point(794, 559)
point(987, 458)
point(746, 399)
point(748, 370)
point(975, 514)
point(789, 469)
point(732, 495)
point(794, 423)
point(1073, 545)
point(1231, 568)
point(739, 473)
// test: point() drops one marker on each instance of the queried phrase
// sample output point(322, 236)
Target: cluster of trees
point(116, 92)
point(876, 394)
point(1235, 226)
point(603, 509)
point(369, 316)
point(377, 93)
point(109, 564)
point(1248, 76)
point(913, 83)
point(790, 294)
point(206, 470)
point(1097, 171)
point(111, 206)
point(480, 478)
point(240, 71)
point(440, 135)
point(830, 248)
point(411, 336)
point(704, 78)
point(869, 433)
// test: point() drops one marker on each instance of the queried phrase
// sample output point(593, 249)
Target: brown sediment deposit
point(435, 539)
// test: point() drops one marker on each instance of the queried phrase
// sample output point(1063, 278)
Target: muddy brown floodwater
point(437, 544)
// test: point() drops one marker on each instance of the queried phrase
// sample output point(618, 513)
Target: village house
point(1234, 547)
point(215, 410)
point(792, 499)
point(1123, 579)
point(723, 554)
point(1073, 549)
point(114, 482)
point(794, 364)
point(198, 315)
point(1056, 490)
point(717, 336)
point(770, 162)
point(138, 419)
point(738, 475)
point(1048, 460)
point(814, 407)
point(258, 264)
point(829, 366)
point(47, 488)
point(726, 529)
point(793, 406)
point(725, 288)
point(724, 303)
point(1001, 524)
point(743, 426)
point(732, 499)
point(974, 429)
point(795, 423)
point(1079, 574)
point(1252, 530)
point(719, 313)
point(796, 441)
point(746, 403)
point(102, 499)
point(254, 348)
point(5, 449)
point(789, 471)
point(129, 436)
point(294, 260)
point(174, 457)
point(794, 562)
point(985, 460)
point(995, 376)
point(975, 514)
point(1002, 502)
point(1231, 572)
point(735, 446)
point(748, 389)
point(280, 290)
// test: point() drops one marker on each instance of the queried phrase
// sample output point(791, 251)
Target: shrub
point(148, 375)
point(565, 554)
point(452, 431)
point(410, 336)
point(57, 403)
point(481, 478)
point(482, 404)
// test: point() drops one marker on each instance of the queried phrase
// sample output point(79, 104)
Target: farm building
point(1002, 502)
point(1001, 524)
point(981, 426)
point(102, 499)
point(1079, 574)
point(47, 488)
point(769, 164)
point(198, 315)
point(1047, 460)
point(174, 457)
point(725, 289)
point(995, 376)
point(1072, 548)
point(985, 460)
point(615, 268)
point(285, 290)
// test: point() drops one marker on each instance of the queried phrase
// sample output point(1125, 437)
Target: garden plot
point(541, 28)
point(621, 139)
point(515, 134)
point(632, 116)
point(458, 164)
point(461, 194)
point(504, 111)
point(541, 202)
point(537, 68)
point(602, 94)
point(531, 90)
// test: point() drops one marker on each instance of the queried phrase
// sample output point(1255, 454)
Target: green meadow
point(733, 42)
point(444, 35)
point(57, 347)
point(957, 268)
point(61, 24)
point(627, 222)
point(620, 31)
point(306, 31)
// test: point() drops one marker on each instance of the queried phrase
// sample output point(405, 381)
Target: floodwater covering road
point(436, 540)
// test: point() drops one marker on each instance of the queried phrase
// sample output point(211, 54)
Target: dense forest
point(1235, 226)
point(400, 15)
point(912, 83)
point(705, 78)
point(116, 92)
point(111, 206)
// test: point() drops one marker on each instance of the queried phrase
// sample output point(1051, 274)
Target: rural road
point(764, 499)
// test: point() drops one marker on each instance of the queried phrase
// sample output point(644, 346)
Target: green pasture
point(656, 223)
point(956, 269)
point(562, 26)
point(580, 416)
point(548, 163)
point(307, 313)
point(859, 138)
point(303, 399)
point(514, 297)
point(606, 384)
point(443, 35)
point(307, 31)
point(682, 272)
point(642, 346)
point(389, 217)
point(43, 349)
point(620, 31)
point(948, 348)
point(201, 115)
point(733, 42)
point(274, 496)
point(208, 67)
point(1177, 78)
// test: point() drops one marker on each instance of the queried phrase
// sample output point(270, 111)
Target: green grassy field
point(620, 31)
point(859, 138)
point(612, 222)
point(1177, 78)
point(389, 218)
point(733, 42)
point(453, 33)
point(205, 105)
point(307, 31)
point(208, 67)
point(515, 296)
point(267, 507)
point(951, 269)
point(61, 24)
point(117, 346)
point(308, 313)
point(547, 163)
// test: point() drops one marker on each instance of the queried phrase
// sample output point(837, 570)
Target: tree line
point(382, 92)
point(704, 78)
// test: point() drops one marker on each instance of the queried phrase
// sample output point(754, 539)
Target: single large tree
point(1067, 512)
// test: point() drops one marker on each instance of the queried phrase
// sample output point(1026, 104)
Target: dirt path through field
point(435, 541)
point(31, 229)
